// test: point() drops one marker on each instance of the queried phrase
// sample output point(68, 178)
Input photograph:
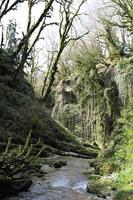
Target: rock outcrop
point(92, 115)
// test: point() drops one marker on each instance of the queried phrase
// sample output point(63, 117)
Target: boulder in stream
point(60, 163)
point(10, 188)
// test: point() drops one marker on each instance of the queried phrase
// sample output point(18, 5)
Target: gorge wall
point(91, 110)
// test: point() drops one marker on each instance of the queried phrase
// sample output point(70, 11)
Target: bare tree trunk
point(30, 30)
point(7, 6)
point(33, 28)
point(52, 77)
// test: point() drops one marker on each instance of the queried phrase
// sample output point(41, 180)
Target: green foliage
point(111, 40)
point(87, 72)
point(125, 152)
point(124, 9)
point(126, 64)
point(86, 66)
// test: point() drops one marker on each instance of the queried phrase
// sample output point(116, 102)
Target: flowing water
point(67, 183)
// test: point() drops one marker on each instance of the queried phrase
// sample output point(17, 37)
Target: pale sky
point(21, 14)
point(51, 35)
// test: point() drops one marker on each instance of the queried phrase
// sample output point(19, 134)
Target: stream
point(66, 183)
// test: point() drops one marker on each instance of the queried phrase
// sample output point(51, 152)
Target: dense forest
point(66, 91)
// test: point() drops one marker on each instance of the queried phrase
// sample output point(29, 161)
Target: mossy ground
point(21, 112)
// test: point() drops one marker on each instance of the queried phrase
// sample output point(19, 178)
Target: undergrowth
point(118, 158)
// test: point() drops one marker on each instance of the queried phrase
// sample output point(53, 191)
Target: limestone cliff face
point(66, 109)
point(93, 115)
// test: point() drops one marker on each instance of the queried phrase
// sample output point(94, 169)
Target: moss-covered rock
point(99, 187)
point(93, 116)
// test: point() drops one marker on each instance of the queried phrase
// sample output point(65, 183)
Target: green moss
point(125, 193)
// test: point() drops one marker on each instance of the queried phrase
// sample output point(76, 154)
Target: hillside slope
point(21, 111)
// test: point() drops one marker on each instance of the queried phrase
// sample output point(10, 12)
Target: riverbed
point(66, 183)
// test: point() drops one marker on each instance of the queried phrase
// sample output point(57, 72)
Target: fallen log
point(52, 151)
point(48, 151)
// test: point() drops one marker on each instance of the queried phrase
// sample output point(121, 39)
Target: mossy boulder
point(101, 188)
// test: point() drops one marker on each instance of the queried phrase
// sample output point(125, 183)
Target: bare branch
point(6, 7)
point(77, 38)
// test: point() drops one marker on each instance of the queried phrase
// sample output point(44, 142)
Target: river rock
point(9, 188)
point(94, 198)
point(99, 198)
point(60, 163)
point(46, 169)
